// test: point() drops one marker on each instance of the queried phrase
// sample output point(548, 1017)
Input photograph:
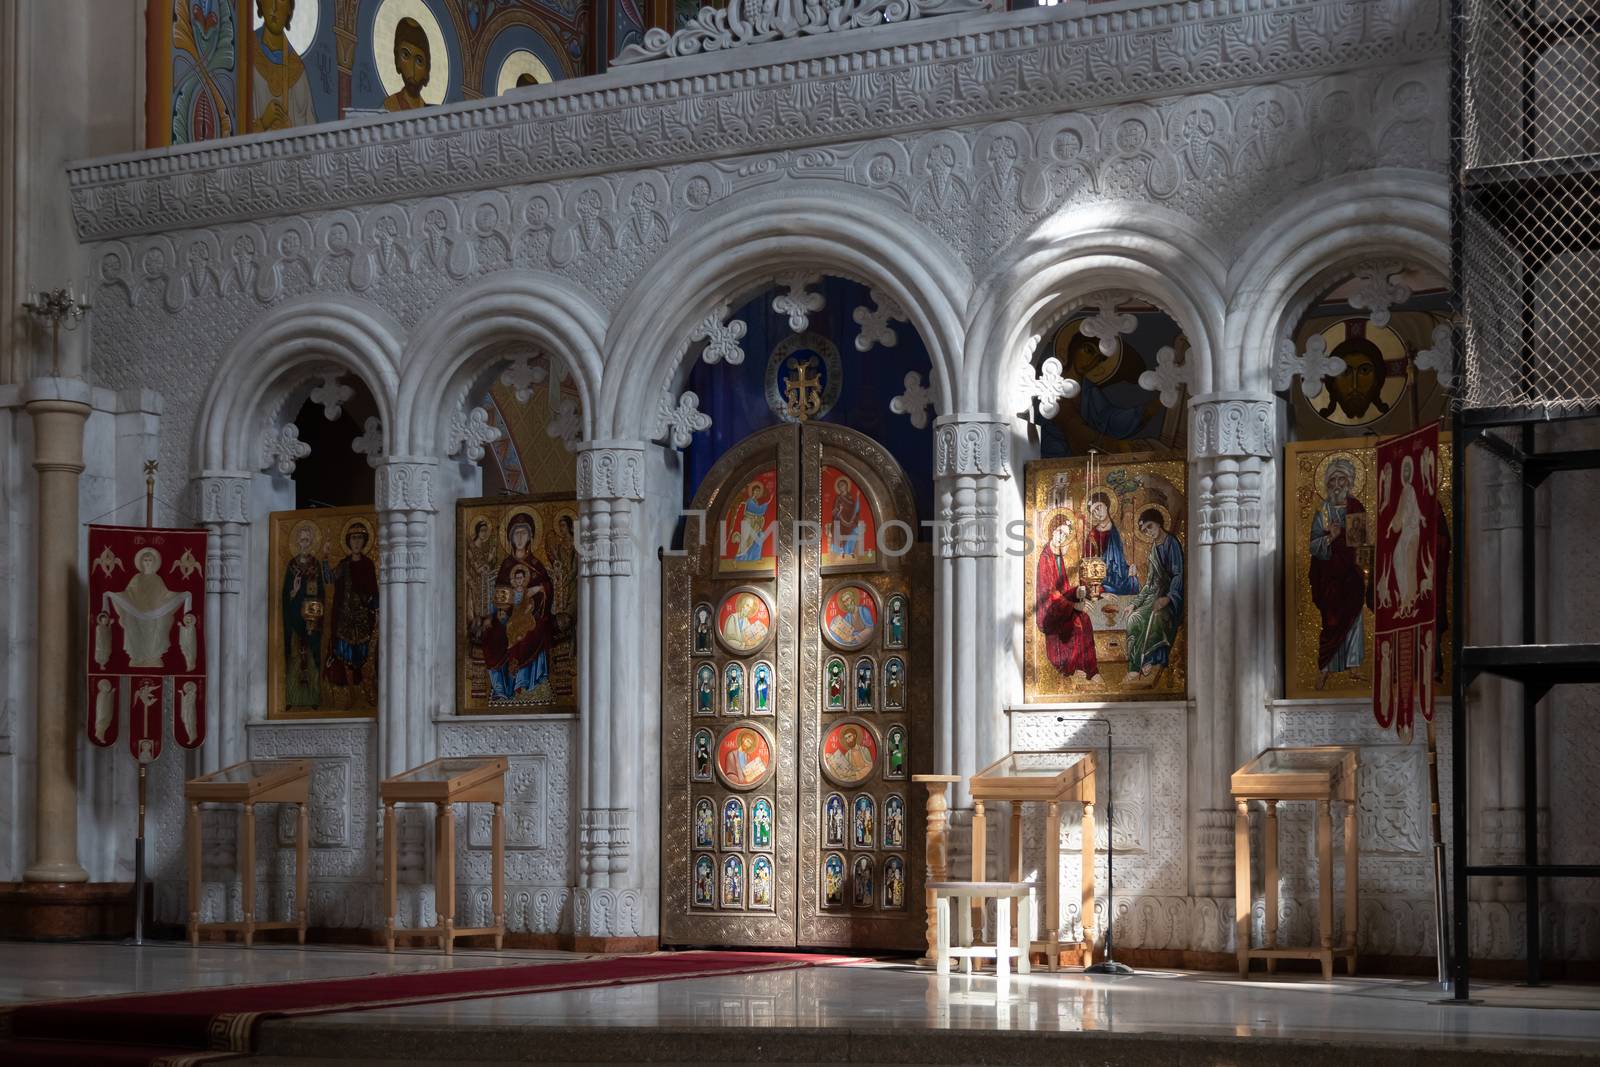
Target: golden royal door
point(796, 700)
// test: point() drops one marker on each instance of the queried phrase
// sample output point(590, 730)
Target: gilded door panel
point(758, 703)
point(730, 754)
point(862, 887)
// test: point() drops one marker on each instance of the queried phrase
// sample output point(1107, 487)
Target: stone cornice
point(789, 94)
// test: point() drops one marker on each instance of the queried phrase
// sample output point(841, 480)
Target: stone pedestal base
point(66, 911)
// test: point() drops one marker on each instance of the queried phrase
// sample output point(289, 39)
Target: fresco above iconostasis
point(1380, 324)
point(836, 369)
point(1106, 350)
point(248, 66)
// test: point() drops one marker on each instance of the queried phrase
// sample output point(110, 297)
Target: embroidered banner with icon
point(146, 613)
point(1409, 573)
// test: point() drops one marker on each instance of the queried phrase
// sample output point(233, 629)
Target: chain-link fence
point(1531, 230)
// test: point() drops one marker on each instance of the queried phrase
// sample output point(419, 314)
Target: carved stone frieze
point(741, 23)
point(1049, 61)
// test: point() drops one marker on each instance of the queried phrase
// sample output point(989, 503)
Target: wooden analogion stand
point(443, 783)
point(1048, 778)
point(1322, 775)
point(250, 783)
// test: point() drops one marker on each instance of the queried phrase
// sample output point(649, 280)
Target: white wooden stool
point(963, 896)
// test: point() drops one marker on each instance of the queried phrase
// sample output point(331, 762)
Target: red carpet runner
point(196, 1026)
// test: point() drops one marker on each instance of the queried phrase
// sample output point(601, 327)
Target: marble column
point(1232, 442)
point(59, 407)
point(223, 504)
point(609, 904)
point(407, 612)
point(972, 457)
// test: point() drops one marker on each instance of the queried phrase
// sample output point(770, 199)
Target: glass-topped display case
point(445, 782)
point(286, 781)
point(1048, 778)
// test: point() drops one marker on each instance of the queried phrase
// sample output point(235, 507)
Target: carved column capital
point(969, 445)
point(403, 496)
point(971, 454)
point(611, 470)
point(1232, 425)
point(222, 497)
point(404, 484)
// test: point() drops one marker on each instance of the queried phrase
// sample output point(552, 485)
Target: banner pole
point(138, 841)
point(1440, 921)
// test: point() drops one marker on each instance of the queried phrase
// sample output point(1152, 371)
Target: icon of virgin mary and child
point(517, 635)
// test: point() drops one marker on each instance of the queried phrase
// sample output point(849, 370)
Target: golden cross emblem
point(802, 390)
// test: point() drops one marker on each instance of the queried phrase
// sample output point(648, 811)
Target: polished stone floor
point(1375, 1014)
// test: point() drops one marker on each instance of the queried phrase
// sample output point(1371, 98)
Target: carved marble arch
point(670, 314)
point(1110, 370)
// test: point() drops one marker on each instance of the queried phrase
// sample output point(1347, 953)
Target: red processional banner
point(147, 595)
point(1410, 574)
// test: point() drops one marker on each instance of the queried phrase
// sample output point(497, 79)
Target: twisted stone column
point(60, 407)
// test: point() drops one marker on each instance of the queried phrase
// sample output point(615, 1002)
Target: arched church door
point(797, 684)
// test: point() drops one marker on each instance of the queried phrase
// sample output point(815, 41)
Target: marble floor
point(1362, 1018)
point(33, 972)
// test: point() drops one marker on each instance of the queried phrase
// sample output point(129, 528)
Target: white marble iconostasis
point(1232, 207)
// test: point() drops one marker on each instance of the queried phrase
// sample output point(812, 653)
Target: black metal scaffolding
point(1525, 245)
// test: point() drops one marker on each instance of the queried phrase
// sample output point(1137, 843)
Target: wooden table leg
point(302, 871)
point(1241, 885)
point(1086, 905)
point(391, 879)
point(1049, 930)
point(1269, 861)
point(1002, 943)
point(1014, 847)
point(440, 866)
point(448, 918)
point(248, 873)
point(980, 858)
point(1325, 885)
point(499, 889)
point(965, 926)
point(194, 873)
point(1352, 885)
point(936, 831)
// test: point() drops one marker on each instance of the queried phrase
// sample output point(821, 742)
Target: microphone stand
point(1109, 965)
